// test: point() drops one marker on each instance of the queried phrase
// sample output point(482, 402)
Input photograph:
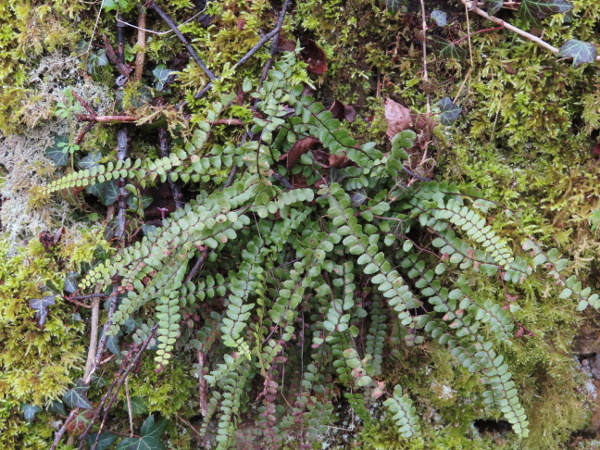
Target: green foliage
point(338, 246)
point(303, 293)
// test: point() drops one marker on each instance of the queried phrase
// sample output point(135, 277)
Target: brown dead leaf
point(400, 118)
point(298, 149)
point(339, 161)
point(342, 111)
point(285, 45)
point(314, 56)
point(397, 116)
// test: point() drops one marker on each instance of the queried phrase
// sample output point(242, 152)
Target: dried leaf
point(397, 116)
point(298, 149)
point(339, 161)
point(285, 45)
point(314, 56)
point(341, 111)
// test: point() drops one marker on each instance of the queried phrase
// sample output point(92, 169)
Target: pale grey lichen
point(23, 161)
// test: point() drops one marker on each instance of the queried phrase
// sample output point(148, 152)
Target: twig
point(274, 32)
point(89, 365)
point(141, 43)
point(196, 267)
point(106, 119)
point(116, 59)
point(514, 29)
point(120, 383)
point(117, 383)
point(202, 387)
point(111, 309)
point(282, 180)
point(469, 34)
point(121, 147)
point(189, 425)
point(231, 176)
point(128, 397)
point(152, 5)
point(284, 8)
point(163, 139)
point(412, 174)
point(83, 305)
point(462, 85)
point(425, 75)
point(158, 33)
point(123, 194)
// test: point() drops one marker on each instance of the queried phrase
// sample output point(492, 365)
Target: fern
point(289, 275)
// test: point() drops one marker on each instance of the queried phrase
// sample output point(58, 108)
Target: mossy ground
point(525, 140)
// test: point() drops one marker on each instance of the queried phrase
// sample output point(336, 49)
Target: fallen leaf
point(298, 149)
point(314, 56)
point(341, 111)
point(286, 45)
point(400, 118)
point(397, 116)
point(339, 161)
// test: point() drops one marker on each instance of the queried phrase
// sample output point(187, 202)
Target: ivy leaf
point(70, 283)
point(151, 428)
point(106, 192)
point(77, 397)
point(59, 152)
point(96, 59)
point(494, 6)
point(112, 344)
point(450, 111)
point(79, 422)
point(41, 306)
point(393, 5)
point(138, 406)
point(446, 49)
point(57, 407)
point(440, 17)
point(162, 74)
point(540, 9)
point(581, 52)
point(111, 192)
point(105, 440)
point(143, 443)
point(29, 411)
point(89, 161)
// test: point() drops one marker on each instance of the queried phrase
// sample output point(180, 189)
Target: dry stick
point(425, 75)
point(122, 379)
point(123, 194)
point(141, 43)
point(202, 386)
point(89, 365)
point(273, 34)
point(182, 38)
point(124, 370)
point(94, 118)
point(469, 34)
point(163, 139)
point(128, 397)
point(514, 29)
